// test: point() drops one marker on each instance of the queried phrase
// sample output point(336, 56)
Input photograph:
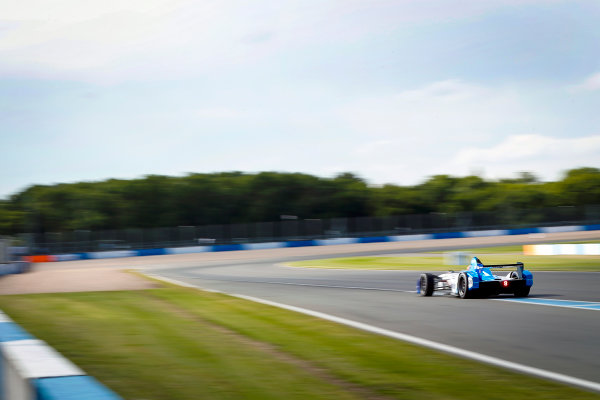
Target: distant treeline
point(235, 197)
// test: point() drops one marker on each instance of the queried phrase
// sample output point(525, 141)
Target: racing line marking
point(581, 305)
point(542, 373)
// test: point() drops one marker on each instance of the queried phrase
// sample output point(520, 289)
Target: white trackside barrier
point(32, 370)
point(568, 249)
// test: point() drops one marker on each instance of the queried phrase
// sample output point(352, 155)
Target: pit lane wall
point(32, 370)
point(302, 243)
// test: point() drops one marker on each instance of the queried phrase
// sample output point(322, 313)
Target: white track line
point(318, 285)
point(542, 373)
point(583, 305)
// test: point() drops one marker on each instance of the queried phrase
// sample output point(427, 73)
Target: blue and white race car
point(478, 281)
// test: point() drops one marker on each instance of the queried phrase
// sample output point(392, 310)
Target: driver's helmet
point(476, 263)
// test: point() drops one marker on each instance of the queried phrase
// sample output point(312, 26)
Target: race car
point(478, 281)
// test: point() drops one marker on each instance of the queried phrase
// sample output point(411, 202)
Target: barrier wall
point(16, 267)
point(304, 243)
point(32, 370)
point(583, 249)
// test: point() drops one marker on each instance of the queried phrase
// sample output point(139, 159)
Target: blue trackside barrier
point(228, 247)
point(9, 332)
point(32, 370)
point(151, 252)
point(300, 243)
point(322, 242)
point(374, 239)
point(523, 231)
point(80, 387)
point(448, 235)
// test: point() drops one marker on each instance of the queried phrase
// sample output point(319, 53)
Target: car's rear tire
point(522, 291)
point(427, 283)
point(463, 286)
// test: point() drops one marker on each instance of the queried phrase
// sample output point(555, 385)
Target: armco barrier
point(32, 370)
point(314, 242)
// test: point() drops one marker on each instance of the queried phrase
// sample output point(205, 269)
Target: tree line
point(236, 197)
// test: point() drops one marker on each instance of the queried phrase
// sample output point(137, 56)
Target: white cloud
point(447, 111)
point(590, 84)
point(459, 128)
point(543, 155)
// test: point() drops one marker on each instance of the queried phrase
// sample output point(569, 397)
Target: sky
point(393, 91)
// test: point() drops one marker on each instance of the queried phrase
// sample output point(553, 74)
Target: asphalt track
point(558, 339)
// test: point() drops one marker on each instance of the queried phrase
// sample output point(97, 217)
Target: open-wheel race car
point(478, 281)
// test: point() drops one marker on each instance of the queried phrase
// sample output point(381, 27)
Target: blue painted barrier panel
point(591, 227)
point(72, 388)
point(151, 252)
point(448, 235)
point(227, 247)
point(374, 239)
point(523, 231)
point(83, 256)
point(300, 243)
point(9, 331)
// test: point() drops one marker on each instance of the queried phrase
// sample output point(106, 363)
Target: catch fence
point(291, 228)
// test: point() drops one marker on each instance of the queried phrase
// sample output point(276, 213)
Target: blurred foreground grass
point(180, 343)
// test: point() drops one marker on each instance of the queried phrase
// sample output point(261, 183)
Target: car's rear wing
point(518, 265)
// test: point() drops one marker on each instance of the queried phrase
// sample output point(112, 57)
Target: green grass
point(516, 249)
point(435, 261)
point(179, 343)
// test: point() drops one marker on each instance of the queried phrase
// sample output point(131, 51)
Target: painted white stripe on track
point(306, 284)
point(325, 286)
point(541, 373)
point(579, 305)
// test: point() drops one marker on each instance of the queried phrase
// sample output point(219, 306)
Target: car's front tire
point(463, 286)
point(427, 282)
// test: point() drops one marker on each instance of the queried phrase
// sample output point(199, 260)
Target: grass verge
point(180, 343)
point(435, 261)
